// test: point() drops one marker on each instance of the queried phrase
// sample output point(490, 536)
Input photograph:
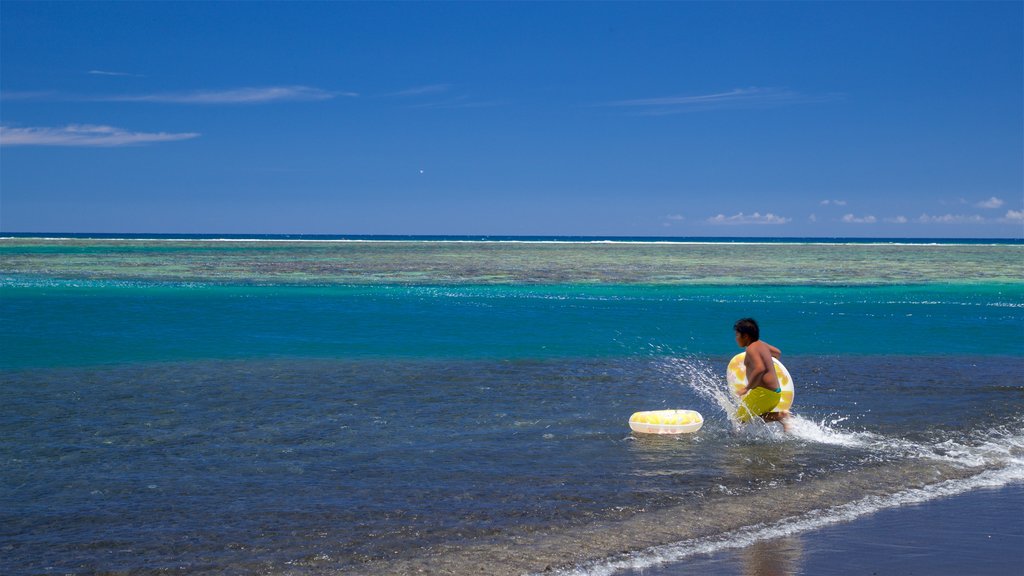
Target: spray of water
point(708, 382)
point(703, 379)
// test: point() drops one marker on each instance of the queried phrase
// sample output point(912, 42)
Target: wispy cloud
point(897, 220)
point(109, 73)
point(833, 202)
point(991, 203)
point(950, 219)
point(235, 96)
point(257, 95)
point(85, 135)
point(851, 219)
point(733, 99)
point(440, 97)
point(28, 95)
point(755, 218)
point(422, 90)
point(457, 102)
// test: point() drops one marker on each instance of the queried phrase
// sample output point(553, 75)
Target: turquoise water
point(49, 324)
point(206, 407)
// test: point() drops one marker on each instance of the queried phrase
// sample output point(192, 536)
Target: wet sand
point(979, 533)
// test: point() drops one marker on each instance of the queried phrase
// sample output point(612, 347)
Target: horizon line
point(313, 236)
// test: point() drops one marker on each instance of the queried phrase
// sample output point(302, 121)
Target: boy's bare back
point(759, 365)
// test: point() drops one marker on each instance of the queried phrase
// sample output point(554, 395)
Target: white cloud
point(85, 135)
point(833, 202)
point(991, 203)
point(851, 219)
point(897, 220)
point(950, 219)
point(737, 98)
point(1014, 216)
point(235, 96)
point(813, 218)
point(755, 218)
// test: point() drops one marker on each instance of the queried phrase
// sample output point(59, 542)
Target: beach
point(351, 406)
point(980, 532)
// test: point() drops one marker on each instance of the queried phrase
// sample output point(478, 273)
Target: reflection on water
point(776, 557)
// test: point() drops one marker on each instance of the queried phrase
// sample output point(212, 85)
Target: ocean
point(455, 405)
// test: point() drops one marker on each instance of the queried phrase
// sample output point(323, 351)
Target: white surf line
point(813, 520)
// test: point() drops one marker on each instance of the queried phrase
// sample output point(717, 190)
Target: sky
point(860, 119)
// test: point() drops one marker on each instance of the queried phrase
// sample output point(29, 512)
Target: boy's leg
point(780, 417)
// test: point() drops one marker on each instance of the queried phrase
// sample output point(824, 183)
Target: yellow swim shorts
point(758, 402)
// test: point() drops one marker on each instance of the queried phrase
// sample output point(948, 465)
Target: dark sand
point(978, 533)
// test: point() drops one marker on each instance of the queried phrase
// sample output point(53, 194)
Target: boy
point(763, 389)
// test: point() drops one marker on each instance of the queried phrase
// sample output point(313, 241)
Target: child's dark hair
point(748, 326)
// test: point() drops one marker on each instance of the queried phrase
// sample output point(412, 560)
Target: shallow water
point(215, 465)
point(255, 426)
point(530, 263)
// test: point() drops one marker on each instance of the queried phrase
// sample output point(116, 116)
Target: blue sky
point(654, 119)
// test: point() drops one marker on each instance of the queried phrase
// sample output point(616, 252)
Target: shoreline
point(975, 532)
point(584, 550)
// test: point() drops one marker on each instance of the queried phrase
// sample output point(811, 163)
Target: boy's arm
point(775, 352)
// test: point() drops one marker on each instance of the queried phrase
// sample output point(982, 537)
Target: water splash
point(708, 382)
point(705, 380)
point(826, 432)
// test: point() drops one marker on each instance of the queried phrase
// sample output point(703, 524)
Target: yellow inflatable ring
point(666, 421)
point(736, 375)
